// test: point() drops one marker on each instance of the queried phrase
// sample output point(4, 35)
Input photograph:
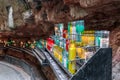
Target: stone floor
point(11, 72)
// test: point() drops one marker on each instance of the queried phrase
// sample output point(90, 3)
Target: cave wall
point(115, 44)
point(18, 8)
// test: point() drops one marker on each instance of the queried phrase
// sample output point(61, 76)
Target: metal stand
point(99, 67)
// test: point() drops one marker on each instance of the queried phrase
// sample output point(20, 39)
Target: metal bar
point(39, 58)
point(40, 54)
point(21, 49)
point(57, 70)
point(61, 66)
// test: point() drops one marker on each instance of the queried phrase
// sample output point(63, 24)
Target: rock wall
point(115, 44)
point(18, 8)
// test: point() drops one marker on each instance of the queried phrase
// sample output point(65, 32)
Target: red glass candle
point(50, 43)
point(64, 33)
point(67, 44)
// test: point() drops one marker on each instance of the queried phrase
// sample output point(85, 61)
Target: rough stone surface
point(115, 43)
point(18, 8)
point(97, 13)
point(10, 72)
